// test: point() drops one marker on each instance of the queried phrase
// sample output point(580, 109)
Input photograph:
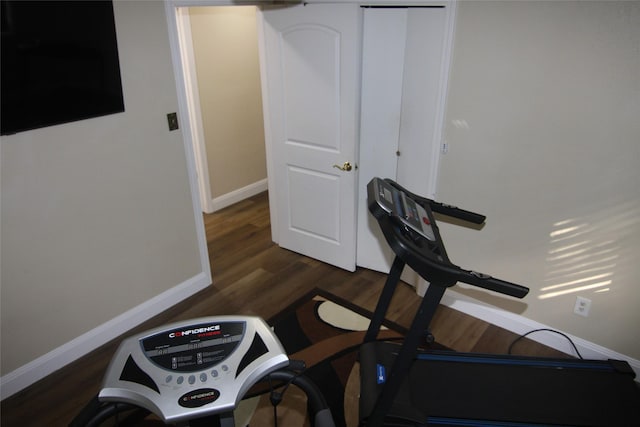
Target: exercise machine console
point(402, 385)
point(196, 370)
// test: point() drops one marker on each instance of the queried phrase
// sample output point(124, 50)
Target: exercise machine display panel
point(396, 203)
point(193, 369)
point(194, 348)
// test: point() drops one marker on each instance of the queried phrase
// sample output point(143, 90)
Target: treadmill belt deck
point(452, 388)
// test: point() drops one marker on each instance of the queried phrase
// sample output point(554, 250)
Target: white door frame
point(192, 107)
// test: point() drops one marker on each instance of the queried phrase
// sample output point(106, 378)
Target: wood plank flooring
point(253, 276)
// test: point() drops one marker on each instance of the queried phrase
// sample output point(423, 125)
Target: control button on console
point(214, 373)
point(180, 380)
point(203, 377)
point(192, 379)
point(169, 378)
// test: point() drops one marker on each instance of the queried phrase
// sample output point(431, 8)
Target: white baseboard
point(39, 368)
point(521, 325)
point(238, 195)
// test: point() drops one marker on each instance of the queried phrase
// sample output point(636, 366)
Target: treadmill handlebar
point(442, 208)
point(446, 269)
point(433, 263)
point(493, 284)
point(456, 212)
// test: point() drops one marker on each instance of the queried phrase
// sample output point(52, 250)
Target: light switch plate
point(172, 118)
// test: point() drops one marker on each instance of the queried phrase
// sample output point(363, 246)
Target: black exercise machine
point(402, 385)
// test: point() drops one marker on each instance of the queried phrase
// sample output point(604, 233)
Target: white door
point(404, 69)
point(312, 56)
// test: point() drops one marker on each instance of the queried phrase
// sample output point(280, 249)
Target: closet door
point(383, 57)
point(312, 55)
point(405, 62)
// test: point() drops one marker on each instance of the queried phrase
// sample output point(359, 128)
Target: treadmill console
point(409, 226)
point(193, 369)
point(396, 203)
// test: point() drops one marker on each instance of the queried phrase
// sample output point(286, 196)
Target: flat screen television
point(59, 63)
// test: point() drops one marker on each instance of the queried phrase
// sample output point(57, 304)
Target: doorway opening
point(220, 62)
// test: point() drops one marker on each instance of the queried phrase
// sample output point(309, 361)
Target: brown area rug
point(325, 332)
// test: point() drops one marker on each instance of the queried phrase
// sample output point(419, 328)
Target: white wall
point(97, 215)
point(544, 138)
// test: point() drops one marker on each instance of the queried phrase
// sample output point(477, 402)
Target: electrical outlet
point(582, 307)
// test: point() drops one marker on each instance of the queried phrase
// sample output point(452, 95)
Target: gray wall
point(97, 215)
point(544, 137)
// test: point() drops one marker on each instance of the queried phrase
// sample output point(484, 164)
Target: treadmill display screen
point(388, 197)
point(397, 203)
point(195, 347)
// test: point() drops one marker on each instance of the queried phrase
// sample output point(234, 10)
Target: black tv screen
point(59, 63)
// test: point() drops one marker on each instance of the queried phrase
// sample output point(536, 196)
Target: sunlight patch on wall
point(577, 260)
point(585, 253)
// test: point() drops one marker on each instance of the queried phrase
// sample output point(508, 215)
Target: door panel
point(319, 217)
point(402, 118)
point(312, 54)
point(302, 107)
point(383, 60)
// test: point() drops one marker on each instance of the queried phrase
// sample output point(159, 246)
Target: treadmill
point(402, 385)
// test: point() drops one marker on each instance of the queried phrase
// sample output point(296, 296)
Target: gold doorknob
point(345, 167)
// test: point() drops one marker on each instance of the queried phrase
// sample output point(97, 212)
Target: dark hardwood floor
point(251, 275)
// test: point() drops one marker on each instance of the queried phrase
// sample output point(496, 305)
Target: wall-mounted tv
point(59, 63)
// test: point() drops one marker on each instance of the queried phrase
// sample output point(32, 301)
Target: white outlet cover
point(582, 306)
